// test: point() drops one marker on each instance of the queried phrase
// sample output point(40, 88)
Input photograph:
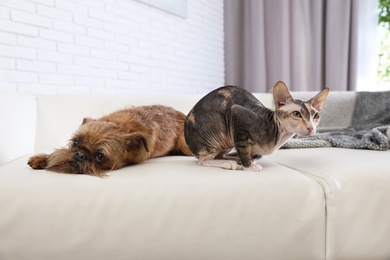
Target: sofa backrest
point(31, 123)
point(17, 126)
point(58, 117)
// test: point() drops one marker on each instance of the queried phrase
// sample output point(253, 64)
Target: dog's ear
point(86, 120)
point(136, 141)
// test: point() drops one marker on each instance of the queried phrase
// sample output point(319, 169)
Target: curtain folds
point(307, 44)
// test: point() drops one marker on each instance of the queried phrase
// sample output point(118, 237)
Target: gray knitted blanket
point(354, 120)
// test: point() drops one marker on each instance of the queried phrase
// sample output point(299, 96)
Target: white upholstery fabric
point(167, 208)
point(17, 129)
point(357, 190)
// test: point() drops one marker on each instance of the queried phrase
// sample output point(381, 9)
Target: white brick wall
point(109, 46)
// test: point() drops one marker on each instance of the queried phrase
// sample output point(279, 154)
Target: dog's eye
point(100, 158)
point(296, 114)
point(75, 143)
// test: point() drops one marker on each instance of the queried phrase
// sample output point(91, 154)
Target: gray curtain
point(309, 44)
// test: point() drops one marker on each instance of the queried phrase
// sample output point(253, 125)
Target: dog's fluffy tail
point(181, 147)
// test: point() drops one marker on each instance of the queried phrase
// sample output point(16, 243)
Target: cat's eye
point(296, 114)
point(316, 116)
point(100, 158)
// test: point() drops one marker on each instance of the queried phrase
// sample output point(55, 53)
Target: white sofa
point(322, 203)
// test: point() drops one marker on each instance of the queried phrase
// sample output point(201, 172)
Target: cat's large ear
point(281, 94)
point(318, 100)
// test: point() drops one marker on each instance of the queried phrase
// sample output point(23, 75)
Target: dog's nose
point(79, 156)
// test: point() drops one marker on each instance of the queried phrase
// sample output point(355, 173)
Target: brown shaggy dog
point(125, 137)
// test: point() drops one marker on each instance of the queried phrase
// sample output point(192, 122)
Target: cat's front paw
point(254, 167)
point(38, 161)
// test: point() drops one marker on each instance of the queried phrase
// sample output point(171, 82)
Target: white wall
point(109, 46)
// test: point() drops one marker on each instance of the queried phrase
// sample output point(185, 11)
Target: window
point(384, 45)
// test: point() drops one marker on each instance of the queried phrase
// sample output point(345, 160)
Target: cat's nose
point(310, 129)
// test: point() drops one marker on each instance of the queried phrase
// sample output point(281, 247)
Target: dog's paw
point(38, 161)
point(254, 167)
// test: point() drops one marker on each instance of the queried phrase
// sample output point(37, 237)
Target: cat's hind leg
point(209, 161)
point(215, 159)
point(212, 160)
point(233, 155)
point(220, 163)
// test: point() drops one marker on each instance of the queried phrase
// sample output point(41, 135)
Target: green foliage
point(384, 35)
point(384, 12)
point(384, 55)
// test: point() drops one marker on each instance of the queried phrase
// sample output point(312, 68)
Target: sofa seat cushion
point(357, 191)
point(165, 208)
